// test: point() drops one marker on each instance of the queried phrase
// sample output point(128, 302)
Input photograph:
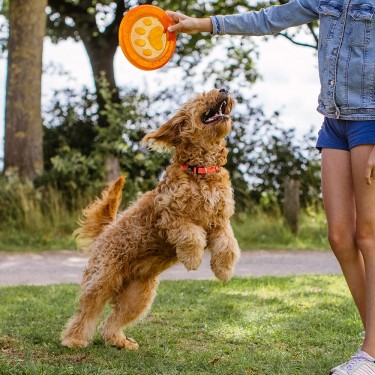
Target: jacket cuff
point(217, 25)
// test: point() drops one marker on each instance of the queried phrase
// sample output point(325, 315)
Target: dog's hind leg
point(81, 327)
point(129, 305)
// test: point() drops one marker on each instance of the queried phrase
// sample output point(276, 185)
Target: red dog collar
point(200, 170)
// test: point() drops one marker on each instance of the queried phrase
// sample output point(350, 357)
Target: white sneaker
point(360, 364)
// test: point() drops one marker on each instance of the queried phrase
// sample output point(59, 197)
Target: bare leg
point(224, 252)
point(130, 304)
point(339, 204)
point(365, 204)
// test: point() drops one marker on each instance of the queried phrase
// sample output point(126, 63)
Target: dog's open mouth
point(216, 113)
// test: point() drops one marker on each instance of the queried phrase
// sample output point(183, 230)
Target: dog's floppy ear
point(168, 135)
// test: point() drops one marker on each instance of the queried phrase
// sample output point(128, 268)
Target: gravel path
point(67, 266)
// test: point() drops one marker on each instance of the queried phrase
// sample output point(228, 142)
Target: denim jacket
point(346, 48)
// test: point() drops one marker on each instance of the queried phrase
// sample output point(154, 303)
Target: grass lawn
point(264, 231)
point(276, 326)
point(253, 232)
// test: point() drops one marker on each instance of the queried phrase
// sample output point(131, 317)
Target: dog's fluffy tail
point(99, 214)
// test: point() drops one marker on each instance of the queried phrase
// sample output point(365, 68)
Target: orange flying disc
point(144, 38)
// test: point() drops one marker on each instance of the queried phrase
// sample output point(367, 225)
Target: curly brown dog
point(185, 214)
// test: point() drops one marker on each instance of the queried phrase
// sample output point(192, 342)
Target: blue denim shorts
point(344, 134)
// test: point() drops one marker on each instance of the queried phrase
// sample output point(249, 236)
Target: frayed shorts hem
point(345, 135)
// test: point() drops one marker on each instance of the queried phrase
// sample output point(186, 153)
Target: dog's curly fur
point(184, 215)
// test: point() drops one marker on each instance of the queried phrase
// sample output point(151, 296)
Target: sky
point(289, 83)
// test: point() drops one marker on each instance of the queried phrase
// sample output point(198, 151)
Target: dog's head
point(202, 121)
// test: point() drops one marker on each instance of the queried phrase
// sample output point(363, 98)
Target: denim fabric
point(346, 48)
point(345, 134)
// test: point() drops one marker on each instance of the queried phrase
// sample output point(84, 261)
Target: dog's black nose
point(224, 91)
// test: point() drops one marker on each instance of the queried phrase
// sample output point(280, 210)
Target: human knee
point(340, 240)
point(343, 245)
point(365, 238)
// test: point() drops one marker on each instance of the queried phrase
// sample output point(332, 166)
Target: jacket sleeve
point(267, 21)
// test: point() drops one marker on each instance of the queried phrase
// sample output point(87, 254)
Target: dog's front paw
point(223, 274)
point(191, 263)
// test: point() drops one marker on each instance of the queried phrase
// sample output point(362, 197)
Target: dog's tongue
point(214, 117)
point(218, 113)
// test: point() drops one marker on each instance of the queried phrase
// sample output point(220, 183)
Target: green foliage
point(266, 229)
point(70, 122)
point(246, 121)
point(35, 218)
point(72, 172)
point(68, 144)
point(42, 218)
point(75, 146)
point(96, 24)
point(83, 19)
point(4, 7)
point(80, 131)
point(279, 155)
point(263, 153)
point(267, 325)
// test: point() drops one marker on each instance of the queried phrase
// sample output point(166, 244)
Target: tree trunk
point(23, 121)
point(101, 55)
point(292, 203)
point(101, 48)
point(112, 168)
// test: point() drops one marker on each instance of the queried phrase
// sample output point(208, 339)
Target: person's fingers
point(175, 28)
point(173, 15)
point(177, 18)
point(368, 174)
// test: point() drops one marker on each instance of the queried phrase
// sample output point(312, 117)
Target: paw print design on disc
point(144, 38)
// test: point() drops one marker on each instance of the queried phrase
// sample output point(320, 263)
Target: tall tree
point(86, 21)
point(23, 121)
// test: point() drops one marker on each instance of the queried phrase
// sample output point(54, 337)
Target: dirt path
point(66, 266)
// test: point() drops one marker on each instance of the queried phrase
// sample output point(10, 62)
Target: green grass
point(41, 219)
point(52, 237)
point(34, 220)
point(284, 326)
point(266, 231)
point(257, 231)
